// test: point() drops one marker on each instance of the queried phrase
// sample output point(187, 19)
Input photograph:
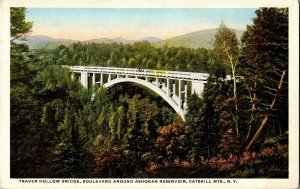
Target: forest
point(237, 128)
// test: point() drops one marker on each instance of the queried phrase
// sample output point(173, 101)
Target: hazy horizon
point(120, 37)
point(132, 24)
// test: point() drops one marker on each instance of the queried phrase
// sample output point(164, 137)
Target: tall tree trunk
point(253, 108)
point(265, 120)
point(235, 97)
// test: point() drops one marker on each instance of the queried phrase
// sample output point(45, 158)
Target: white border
point(292, 182)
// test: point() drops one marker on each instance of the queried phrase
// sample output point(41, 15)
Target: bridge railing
point(141, 72)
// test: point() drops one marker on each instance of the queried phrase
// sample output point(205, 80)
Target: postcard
point(162, 94)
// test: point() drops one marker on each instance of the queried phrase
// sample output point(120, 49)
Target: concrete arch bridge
point(172, 86)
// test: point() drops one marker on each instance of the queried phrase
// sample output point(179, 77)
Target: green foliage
point(216, 65)
point(53, 82)
point(65, 161)
point(137, 55)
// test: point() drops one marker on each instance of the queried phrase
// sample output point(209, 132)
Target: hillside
point(201, 38)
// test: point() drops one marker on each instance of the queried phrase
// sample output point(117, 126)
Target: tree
point(64, 163)
point(112, 127)
point(111, 164)
point(19, 52)
point(170, 141)
point(265, 58)
point(226, 46)
point(70, 158)
point(101, 121)
point(24, 113)
point(121, 120)
point(229, 144)
point(215, 66)
point(204, 118)
point(141, 131)
point(19, 27)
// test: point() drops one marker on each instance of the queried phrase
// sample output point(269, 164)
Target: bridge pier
point(101, 79)
point(174, 87)
point(179, 94)
point(185, 96)
point(84, 79)
point(168, 86)
point(94, 79)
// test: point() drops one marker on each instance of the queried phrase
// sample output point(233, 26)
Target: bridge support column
point(101, 79)
point(179, 94)
point(168, 86)
point(94, 79)
point(185, 90)
point(174, 87)
point(156, 82)
point(109, 77)
point(84, 79)
point(118, 76)
point(147, 79)
point(185, 96)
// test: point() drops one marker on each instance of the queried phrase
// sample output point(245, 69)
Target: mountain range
point(201, 38)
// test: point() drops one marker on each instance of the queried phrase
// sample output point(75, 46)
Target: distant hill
point(123, 40)
point(151, 39)
point(201, 38)
point(40, 41)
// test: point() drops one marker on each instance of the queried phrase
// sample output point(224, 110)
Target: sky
point(134, 23)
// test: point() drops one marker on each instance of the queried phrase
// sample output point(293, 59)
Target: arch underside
point(151, 86)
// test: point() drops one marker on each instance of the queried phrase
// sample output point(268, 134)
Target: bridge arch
point(151, 86)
